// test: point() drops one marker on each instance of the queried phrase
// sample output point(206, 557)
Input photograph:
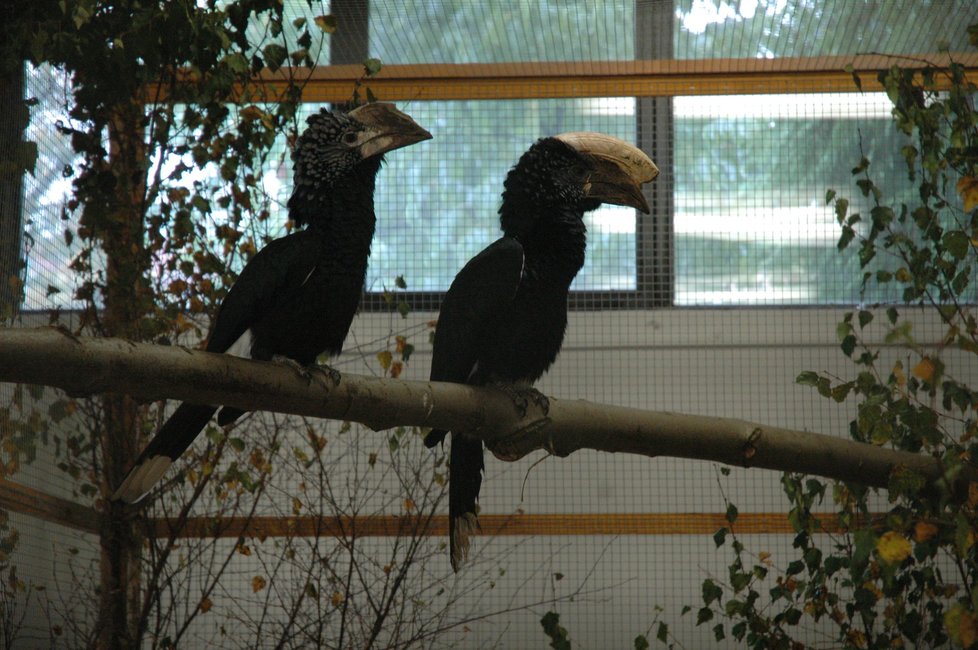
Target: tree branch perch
point(85, 365)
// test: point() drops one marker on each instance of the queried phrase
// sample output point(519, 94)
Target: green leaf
point(557, 634)
point(711, 591)
point(739, 580)
point(840, 392)
point(718, 632)
point(237, 63)
point(662, 634)
point(848, 345)
point(848, 234)
point(865, 318)
point(734, 607)
point(731, 513)
point(865, 542)
point(372, 66)
point(841, 208)
point(957, 243)
point(400, 283)
point(807, 378)
point(829, 195)
point(703, 615)
point(275, 56)
point(720, 537)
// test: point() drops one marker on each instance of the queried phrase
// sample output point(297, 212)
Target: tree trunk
point(125, 299)
point(14, 110)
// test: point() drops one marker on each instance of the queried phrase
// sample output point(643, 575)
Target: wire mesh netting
point(616, 543)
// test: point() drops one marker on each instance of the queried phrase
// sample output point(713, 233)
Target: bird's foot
point(523, 396)
point(334, 375)
point(309, 372)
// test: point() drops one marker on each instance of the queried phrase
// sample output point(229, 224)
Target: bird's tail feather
point(229, 414)
point(464, 481)
point(434, 437)
point(173, 438)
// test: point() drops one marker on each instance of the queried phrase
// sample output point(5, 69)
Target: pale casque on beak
point(387, 129)
point(620, 169)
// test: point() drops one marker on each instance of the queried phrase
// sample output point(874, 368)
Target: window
point(739, 216)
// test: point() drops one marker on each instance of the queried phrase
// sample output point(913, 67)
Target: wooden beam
point(659, 78)
point(28, 501)
point(525, 525)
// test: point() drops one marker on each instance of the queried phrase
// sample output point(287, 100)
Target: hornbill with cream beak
point(502, 321)
point(296, 298)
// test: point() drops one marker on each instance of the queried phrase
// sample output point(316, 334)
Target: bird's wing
point(481, 290)
point(265, 284)
point(268, 281)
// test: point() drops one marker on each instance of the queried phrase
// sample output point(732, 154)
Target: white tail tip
point(141, 479)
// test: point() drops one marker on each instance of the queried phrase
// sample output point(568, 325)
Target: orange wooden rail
point(543, 80)
point(28, 501)
point(614, 524)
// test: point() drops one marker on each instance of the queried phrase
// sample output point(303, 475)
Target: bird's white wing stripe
point(308, 275)
point(242, 347)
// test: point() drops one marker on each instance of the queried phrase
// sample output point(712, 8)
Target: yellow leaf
point(326, 23)
point(899, 375)
point(408, 505)
point(923, 531)
point(385, 358)
point(396, 369)
point(257, 584)
point(205, 605)
point(924, 370)
point(968, 189)
point(893, 547)
point(856, 638)
point(952, 621)
point(336, 598)
point(968, 629)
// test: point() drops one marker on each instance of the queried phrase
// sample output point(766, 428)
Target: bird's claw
point(334, 375)
point(309, 372)
point(523, 396)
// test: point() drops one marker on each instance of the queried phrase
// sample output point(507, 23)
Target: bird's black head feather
point(325, 155)
point(549, 179)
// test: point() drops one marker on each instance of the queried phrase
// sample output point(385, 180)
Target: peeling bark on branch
point(82, 365)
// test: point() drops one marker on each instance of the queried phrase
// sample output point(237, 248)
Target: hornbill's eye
point(350, 137)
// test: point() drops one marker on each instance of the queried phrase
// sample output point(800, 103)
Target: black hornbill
point(502, 321)
point(296, 298)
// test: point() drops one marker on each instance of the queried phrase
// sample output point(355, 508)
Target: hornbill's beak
point(620, 169)
point(386, 129)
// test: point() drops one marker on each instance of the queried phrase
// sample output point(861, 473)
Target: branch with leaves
point(83, 365)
